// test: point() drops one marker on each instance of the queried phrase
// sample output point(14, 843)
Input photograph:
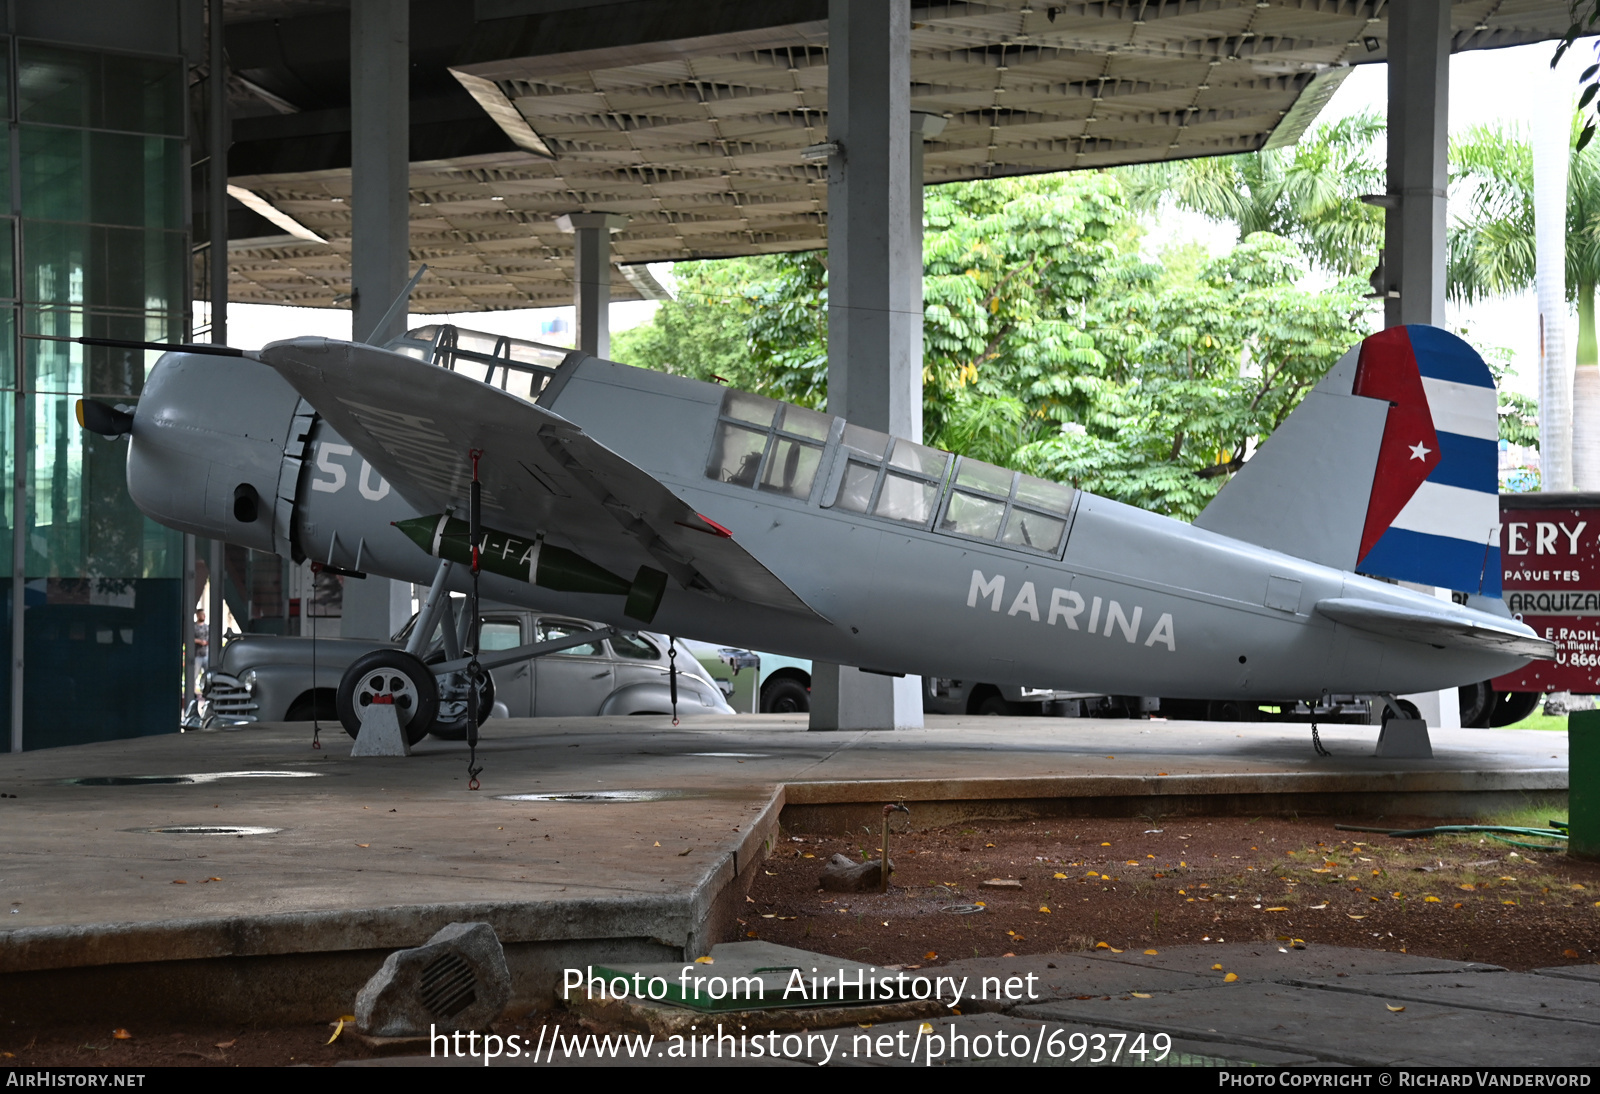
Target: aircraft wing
point(416, 424)
point(1437, 628)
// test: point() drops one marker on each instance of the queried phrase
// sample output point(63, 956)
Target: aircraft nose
point(208, 444)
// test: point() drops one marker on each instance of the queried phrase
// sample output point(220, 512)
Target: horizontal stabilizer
point(1441, 627)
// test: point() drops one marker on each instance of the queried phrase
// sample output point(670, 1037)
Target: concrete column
point(874, 288)
point(380, 128)
point(380, 207)
point(591, 277)
point(1414, 220)
point(1414, 224)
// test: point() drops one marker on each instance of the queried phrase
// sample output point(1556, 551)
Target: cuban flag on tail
point(1434, 513)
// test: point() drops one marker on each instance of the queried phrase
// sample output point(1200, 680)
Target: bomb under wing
point(536, 562)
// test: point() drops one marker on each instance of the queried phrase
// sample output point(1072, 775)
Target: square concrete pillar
point(1414, 224)
point(591, 280)
point(874, 288)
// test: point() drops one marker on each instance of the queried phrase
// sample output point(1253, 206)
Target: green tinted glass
point(102, 178)
point(73, 87)
point(115, 268)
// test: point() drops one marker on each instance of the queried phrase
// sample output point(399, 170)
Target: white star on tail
point(1419, 451)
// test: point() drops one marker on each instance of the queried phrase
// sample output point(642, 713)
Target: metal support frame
point(501, 658)
point(1414, 222)
point(438, 596)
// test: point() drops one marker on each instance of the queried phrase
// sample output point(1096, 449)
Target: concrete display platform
point(368, 855)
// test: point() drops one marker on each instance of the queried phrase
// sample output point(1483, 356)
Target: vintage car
point(272, 678)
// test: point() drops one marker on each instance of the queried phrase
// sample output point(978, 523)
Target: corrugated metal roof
point(699, 141)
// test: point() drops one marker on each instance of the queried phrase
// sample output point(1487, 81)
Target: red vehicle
point(1550, 549)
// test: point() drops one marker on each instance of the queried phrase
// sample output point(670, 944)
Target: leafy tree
point(1208, 363)
point(1491, 242)
point(1309, 193)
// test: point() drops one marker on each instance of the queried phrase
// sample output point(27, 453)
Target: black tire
point(323, 703)
point(1513, 707)
point(785, 695)
point(1232, 710)
point(451, 722)
point(993, 705)
point(393, 673)
point(1477, 704)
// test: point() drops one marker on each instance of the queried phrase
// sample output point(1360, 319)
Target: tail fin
point(1389, 468)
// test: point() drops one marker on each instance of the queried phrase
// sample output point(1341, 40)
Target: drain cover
point(607, 796)
point(201, 777)
point(208, 830)
point(962, 909)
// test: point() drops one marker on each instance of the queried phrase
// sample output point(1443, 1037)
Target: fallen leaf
point(226, 1044)
point(180, 883)
point(1467, 887)
point(1061, 877)
point(864, 1025)
point(1139, 995)
point(1570, 953)
point(750, 934)
point(1458, 905)
point(768, 915)
point(926, 1027)
point(1395, 1010)
point(1355, 916)
point(1216, 968)
point(1230, 978)
point(979, 904)
point(1318, 907)
point(212, 879)
point(121, 1035)
point(1160, 773)
point(1151, 953)
point(658, 843)
point(988, 845)
point(1280, 908)
point(1115, 950)
point(686, 850)
point(363, 845)
point(807, 855)
point(929, 956)
point(704, 960)
point(338, 1029)
point(1105, 845)
point(1102, 945)
point(1008, 955)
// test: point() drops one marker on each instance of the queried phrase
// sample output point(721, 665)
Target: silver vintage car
point(274, 678)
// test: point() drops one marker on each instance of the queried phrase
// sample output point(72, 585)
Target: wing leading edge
point(541, 474)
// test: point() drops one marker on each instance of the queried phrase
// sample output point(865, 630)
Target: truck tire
point(785, 695)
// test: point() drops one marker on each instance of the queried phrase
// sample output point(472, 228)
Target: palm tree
point(1492, 251)
point(1309, 193)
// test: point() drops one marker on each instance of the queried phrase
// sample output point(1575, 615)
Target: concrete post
point(1583, 784)
point(874, 288)
point(1414, 220)
point(380, 133)
point(591, 277)
point(1414, 225)
point(380, 208)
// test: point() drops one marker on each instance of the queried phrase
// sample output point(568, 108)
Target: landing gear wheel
point(395, 674)
point(1408, 709)
point(785, 696)
point(451, 722)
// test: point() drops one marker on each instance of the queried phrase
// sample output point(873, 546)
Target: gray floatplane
point(640, 498)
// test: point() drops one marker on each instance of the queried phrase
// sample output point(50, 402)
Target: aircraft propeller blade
point(105, 420)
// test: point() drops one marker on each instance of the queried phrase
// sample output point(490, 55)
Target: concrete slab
point(1546, 997)
point(1058, 976)
point(1589, 974)
point(1281, 962)
point(1337, 1027)
point(361, 856)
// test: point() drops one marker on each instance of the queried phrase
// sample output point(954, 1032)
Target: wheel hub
point(387, 686)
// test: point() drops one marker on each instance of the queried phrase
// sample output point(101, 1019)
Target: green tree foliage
point(1309, 193)
point(1491, 250)
point(1050, 344)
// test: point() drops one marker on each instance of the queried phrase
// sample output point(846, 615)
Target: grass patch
point(1552, 723)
